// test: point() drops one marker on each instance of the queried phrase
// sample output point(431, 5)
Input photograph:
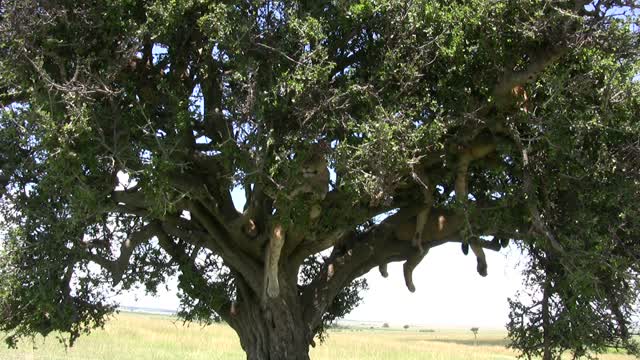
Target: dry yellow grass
point(411, 344)
point(152, 337)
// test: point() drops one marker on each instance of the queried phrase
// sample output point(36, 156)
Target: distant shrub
point(385, 325)
point(427, 330)
point(406, 327)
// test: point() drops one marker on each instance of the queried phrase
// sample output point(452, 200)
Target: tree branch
point(376, 246)
point(539, 60)
point(118, 267)
point(384, 243)
point(557, 45)
point(217, 185)
point(222, 243)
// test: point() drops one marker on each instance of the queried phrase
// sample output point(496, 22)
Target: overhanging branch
point(380, 245)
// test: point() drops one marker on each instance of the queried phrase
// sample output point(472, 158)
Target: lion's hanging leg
point(481, 147)
point(408, 268)
point(423, 215)
point(331, 270)
point(383, 270)
point(465, 247)
point(276, 241)
point(462, 191)
point(482, 260)
point(233, 310)
point(421, 221)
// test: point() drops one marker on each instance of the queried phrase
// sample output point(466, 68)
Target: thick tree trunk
point(272, 330)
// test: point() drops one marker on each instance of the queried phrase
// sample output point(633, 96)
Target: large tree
point(361, 132)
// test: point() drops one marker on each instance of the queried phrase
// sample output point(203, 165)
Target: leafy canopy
point(125, 125)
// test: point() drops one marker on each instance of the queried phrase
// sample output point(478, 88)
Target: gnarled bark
point(273, 329)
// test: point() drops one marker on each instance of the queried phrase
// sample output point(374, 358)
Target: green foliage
point(586, 187)
point(125, 125)
point(36, 295)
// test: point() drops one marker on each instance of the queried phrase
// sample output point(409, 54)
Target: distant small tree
point(406, 327)
point(474, 330)
point(385, 325)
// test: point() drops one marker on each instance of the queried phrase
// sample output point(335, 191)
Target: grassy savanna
point(143, 336)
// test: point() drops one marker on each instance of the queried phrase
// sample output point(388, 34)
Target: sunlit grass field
point(147, 337)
